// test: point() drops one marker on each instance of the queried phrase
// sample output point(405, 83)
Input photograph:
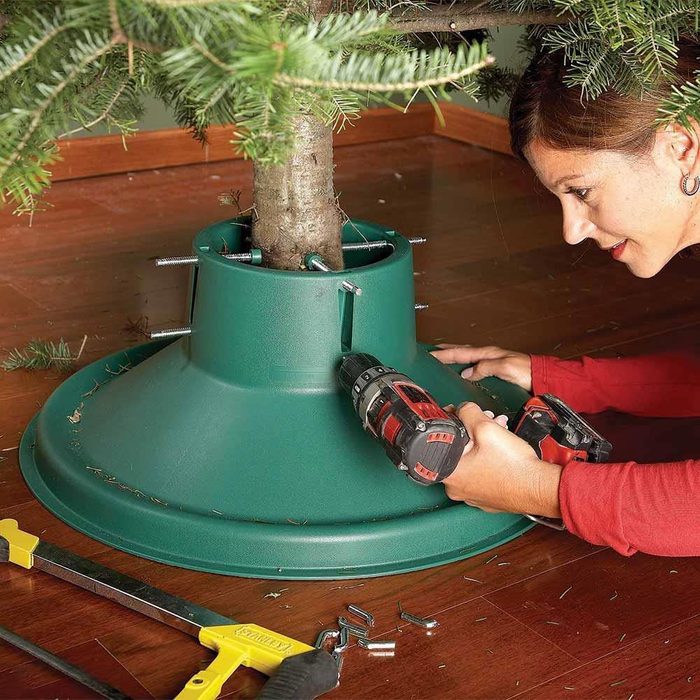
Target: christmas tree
point(289, 72)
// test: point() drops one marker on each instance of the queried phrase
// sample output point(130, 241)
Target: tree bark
point(296, 212)
point(462, 17)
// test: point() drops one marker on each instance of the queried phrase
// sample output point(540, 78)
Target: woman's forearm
point(652, 508)
point(664, 385)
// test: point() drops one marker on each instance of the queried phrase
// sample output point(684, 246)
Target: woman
point(631, 186)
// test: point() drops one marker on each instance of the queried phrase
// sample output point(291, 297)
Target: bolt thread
point(240, 257)
point(366, 245)
point(181, 260)
point(171, 332)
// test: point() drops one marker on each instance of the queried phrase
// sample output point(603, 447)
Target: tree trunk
point(296, 212)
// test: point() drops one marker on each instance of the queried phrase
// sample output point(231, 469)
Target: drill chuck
point(419, 437)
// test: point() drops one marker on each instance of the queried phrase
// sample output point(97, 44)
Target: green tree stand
point(233, 449)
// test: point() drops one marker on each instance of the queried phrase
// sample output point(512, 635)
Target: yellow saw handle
point(296, 670)
point(20, 544)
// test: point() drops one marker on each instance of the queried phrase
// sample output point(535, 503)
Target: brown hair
point(544, 108)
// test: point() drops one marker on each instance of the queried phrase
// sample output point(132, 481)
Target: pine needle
point(137, 327)
point(42, 354)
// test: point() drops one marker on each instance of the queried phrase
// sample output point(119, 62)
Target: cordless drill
point(427, 443)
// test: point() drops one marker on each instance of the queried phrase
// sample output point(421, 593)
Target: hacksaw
point(297, 670)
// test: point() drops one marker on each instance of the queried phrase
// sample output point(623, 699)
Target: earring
point(696, 185)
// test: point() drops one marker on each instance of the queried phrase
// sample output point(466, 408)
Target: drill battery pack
point(558, 434)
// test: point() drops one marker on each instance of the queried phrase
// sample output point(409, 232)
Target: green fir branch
point(496, 82)
point(626, 46)
point(105, 115)
point(170, 4)
point(683, 104)
point(24, 123)
point(416, 70)
point(14, 57)
point(41, 354)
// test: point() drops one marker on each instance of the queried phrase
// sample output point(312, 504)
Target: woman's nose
point(576, 226)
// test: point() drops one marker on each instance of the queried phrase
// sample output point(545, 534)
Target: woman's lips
point(617, 250)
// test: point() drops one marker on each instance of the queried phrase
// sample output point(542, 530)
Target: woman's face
point(632, 207)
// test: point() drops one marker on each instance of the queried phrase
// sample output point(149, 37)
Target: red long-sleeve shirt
point(653, 508)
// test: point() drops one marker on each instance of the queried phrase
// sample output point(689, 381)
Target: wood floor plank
point(15, 306)
point(33, 679)
point(591, 606)
point(548, 280)
point(13, 491)
point(569, 334)
point(685, 337)
point(666, 664)
point(475, 653)
point(648, 440)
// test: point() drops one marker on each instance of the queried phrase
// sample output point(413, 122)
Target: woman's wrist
point(534, 489)
point(545, 496)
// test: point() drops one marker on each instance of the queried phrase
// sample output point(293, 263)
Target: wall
point(504, 48)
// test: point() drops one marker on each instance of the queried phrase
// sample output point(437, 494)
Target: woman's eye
point(580, 192)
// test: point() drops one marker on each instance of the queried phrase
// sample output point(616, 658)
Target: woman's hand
point(500, 472)
point(489, 361)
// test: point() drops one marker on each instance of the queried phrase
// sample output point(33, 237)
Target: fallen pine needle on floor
point(275, 594)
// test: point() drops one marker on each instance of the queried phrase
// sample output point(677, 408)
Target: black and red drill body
point(427, 443)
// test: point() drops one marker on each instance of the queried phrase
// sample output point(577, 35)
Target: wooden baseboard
point(107, 155)
point(474, 127)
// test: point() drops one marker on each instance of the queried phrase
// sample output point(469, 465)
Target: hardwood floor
point(549, 617)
